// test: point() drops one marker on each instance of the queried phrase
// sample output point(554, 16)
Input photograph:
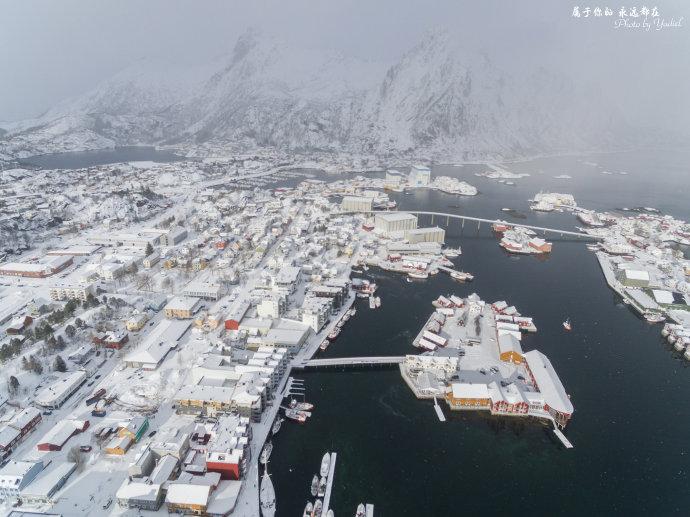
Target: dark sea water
point(81, 159)
point(630, 389)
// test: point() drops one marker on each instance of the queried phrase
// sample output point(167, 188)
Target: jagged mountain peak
point(438, 99)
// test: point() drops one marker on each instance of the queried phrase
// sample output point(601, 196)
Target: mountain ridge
point(437, 100)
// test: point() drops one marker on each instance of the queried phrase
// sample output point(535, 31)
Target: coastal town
point(154, 314)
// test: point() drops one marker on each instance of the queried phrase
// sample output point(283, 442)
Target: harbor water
point(629, 388)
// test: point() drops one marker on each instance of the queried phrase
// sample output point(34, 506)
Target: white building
point(356, 204)
point(272, 306)
point(417, 235)
point(55, 395)
point(162, 339)
point(205, 290)
point(315, 312)
point(16, 475)
point(393, 224)
point(420, 176)
point(69, 291)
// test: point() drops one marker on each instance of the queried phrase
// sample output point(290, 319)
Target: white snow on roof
point(548, 382)
point(180, 493)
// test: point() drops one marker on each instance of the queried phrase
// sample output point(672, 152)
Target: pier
point(562, 438)
point(329, 485)
point(479, 221)
point(351, 362)
point(439, 411)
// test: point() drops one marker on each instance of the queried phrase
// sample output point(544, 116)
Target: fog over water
point(55, 50)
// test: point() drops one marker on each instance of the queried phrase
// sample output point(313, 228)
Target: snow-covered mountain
point(436, 101)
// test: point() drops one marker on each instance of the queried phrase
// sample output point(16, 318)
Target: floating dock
point(439, 411)
point(562, 438)
point(329, 485)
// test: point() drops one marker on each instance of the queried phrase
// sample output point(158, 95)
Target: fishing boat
point(318, 508)
point(334, 334)
point(276, 425)
point(654, 317)
point(372, 302)
point(324, 344)
point(567, 325)
point(330, 513)
point(451, 253)
point(322, 487)
point(266, 453)
point(297, 416)
point(267, 496)
point(340, 324)
point(314, 485)
point(325, 464)
point(346, 316)
point(462, 276)
point(377, 302)
point(420, 275)
point(301, 406)
point(308, 509)
point(361, 510)
point(352, 311)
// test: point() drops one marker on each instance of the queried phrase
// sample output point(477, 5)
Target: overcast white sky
point(56, 49)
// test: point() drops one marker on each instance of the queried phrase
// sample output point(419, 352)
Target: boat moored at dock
point(325, 465)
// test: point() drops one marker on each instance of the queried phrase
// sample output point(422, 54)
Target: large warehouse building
point(394, 224)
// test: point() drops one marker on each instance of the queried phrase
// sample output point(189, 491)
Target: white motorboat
point(267, 496)
point(361, 510)
point(308, 509)
point(325, 464)
point(276, 425)
point(266, 453)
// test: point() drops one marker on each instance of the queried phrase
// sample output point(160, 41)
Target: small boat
point(266, 453)
point(421, 275)
point(330, 513)
point(318, 508)
point(461, 276)
point(325, 464)
point(372, 302)
point(352, 311)
point(340, 324)
point(361, 510)
point(377, 302)
point(322, 487)
point(267, 496)
point(346, 316)
point(567, 325)
point(324, 344)
point(654, 317)
point(297, 416)
point(276, 425)
point(334, 334)
point(308, 509)
point(301, 406)
point(314, 485)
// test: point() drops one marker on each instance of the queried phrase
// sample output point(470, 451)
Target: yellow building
point(181, 307)
point(468, 396)
point(136, 322)
point(119, 445)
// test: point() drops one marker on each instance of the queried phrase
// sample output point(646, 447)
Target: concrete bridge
point(479, 221)
point(351, 362)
